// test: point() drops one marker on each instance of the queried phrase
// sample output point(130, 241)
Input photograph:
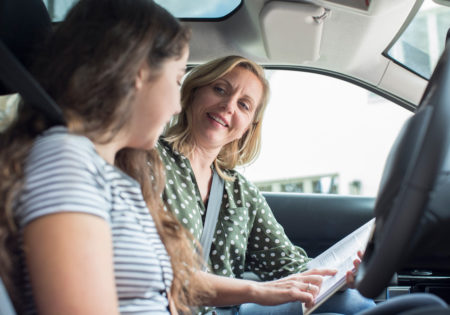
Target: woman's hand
point(302, 287)
point(350, 276)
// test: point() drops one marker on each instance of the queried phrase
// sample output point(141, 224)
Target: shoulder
point(58, 148)
point(171, 158)
point(63, 172)
point(240, 180)
point(243, 186)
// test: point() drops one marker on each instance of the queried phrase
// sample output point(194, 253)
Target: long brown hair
point(89, 66)
point(239, 152)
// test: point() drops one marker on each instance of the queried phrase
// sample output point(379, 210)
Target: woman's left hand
point(350, 276)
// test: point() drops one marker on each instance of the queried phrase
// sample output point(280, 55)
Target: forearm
point(229, 291)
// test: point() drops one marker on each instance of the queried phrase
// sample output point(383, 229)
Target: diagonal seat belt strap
point(212, 213)
point(14, 75)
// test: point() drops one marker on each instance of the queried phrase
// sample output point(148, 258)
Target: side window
point(323, 135)
point(8, 108)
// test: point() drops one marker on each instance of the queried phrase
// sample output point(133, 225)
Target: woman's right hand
point(302, 287)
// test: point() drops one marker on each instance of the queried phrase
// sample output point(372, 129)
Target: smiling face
point(156, 101)
point(223, 110)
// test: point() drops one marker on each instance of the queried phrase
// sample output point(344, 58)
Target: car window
point(421, 44)
point(203, 9)
point(8, 108)
point(323, 135)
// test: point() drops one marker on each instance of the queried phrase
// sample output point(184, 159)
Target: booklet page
point(340, 256)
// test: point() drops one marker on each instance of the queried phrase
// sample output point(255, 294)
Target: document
point(340, 256)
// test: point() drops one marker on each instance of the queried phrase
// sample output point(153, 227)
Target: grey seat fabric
point(6, 306)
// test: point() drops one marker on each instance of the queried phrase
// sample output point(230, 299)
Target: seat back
point(23, 25)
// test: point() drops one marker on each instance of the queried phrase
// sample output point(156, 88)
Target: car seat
point(23, 25)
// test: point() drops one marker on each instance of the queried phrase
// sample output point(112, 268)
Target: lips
point(218, 119)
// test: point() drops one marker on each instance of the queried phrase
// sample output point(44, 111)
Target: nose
point(228, 104)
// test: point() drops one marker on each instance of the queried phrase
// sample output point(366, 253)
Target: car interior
point(409, 249)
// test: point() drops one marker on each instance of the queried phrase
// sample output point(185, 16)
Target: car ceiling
point(350, 41)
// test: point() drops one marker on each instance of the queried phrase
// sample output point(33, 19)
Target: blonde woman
point(219, 128)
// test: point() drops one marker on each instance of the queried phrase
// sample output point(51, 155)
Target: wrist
point(256, 291)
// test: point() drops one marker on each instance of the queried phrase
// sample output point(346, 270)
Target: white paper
point(340, 256)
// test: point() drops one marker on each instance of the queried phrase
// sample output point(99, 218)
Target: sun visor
point(292, 31)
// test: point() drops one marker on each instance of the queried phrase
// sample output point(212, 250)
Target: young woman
point(77, 234)
point(219, 128)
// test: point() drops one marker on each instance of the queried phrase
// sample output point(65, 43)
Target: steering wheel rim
point(409, 176)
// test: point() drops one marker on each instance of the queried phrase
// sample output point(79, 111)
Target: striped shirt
point(64, 173)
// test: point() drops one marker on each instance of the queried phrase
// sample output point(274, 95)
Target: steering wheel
point(414, 192)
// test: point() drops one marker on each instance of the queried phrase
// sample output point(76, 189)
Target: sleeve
point(270, 254)
point(61, 177)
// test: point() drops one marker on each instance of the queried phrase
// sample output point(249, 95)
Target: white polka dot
point(222, 257)
point(168, 167)
point(185, 220)
point(221, 243)
point(219, 231)
point(216, 267)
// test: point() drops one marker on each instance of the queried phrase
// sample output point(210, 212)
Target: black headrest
point(23, 25)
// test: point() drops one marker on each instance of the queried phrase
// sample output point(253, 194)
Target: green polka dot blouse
point(247, 236)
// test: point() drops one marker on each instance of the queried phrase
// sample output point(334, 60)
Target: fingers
point(321, 272)
point(350, 279)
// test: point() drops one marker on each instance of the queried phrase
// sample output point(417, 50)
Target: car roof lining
point(359, 56)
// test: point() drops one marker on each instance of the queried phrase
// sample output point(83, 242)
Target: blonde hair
point(238, 152)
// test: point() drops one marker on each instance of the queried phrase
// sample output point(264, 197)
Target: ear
point(142, 76)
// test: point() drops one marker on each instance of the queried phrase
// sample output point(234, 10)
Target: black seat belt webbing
point(17, 78)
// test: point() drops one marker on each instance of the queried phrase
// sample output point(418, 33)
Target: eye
point(244, 105)
point(219, 90)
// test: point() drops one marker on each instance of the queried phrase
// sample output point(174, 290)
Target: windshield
point(199, 9)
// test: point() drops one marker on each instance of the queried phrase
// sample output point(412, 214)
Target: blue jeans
point(346, 302)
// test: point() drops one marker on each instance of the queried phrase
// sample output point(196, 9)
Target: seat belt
point(212, 213)
point(14, 75)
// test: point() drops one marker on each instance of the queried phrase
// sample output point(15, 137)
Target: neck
point(201, 160)
point(108, 151)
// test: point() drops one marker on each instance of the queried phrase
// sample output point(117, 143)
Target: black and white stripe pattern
point(64, 173)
